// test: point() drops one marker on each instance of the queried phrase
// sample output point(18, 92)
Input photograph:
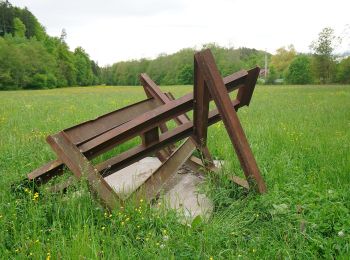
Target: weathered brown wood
point(240, 181)
point(244, 95)
point(153, 185)
point(200, 108)
point(47, 171)
point(92, 128)
point(81, 167)
point(150, 136)
point(222, 100)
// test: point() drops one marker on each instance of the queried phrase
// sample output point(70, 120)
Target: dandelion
point(138, 226)
point(141, 200)
point(157, 244)
point(211, 258)
point(103, 228)
point(48, 256)
point(36, 196)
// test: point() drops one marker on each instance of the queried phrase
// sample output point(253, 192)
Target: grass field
point(299, 135)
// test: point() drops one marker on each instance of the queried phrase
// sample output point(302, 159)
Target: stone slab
point(128, 179)
point(180, 193)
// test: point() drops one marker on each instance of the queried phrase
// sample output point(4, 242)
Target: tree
point(6, 17)
point(20, 28)
point(281, 60)
point(324, 60)
point(299, 71)
point(272, 76)
point(185, 76)
point(343, 71)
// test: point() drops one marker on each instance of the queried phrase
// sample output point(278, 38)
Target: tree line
point(31, 59)
point(321, 66)
point(177, 68)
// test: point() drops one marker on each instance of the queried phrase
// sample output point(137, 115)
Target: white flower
point(341, 233)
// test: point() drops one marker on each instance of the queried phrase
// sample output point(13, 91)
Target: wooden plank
point(81, 167)
point(200, 108)
point(229, 116)
point(240, 181)
point(90, 129)
point(46, 172)
point(150, 136)
point(244, 95)
point(153, 185)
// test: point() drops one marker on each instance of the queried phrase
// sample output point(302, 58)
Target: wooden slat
point(90, 129)
point(231, 121)
point(200, 108)
point(150, 136)
point(81, 167)
point(153, 185)
point(244, 95)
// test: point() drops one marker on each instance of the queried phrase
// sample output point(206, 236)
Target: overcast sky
point(112, 31)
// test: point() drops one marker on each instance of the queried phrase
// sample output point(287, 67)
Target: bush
point(299, 71)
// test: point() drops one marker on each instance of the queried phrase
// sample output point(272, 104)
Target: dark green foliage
point(185, 76)
point(31, 59)
point(343, 71)
point(299, 71)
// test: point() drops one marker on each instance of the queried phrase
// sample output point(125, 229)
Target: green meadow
point(299, 135)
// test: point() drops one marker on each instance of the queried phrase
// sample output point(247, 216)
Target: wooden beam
point(231, 121)
point(244, 95)
point(200, 108)
point(81, 167)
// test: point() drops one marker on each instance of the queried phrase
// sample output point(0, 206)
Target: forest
point(32, 59)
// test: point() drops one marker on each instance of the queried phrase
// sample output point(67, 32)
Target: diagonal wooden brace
point(218, 91)
point(81, 167)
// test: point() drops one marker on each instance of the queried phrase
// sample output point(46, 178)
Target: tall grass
point(300, 137)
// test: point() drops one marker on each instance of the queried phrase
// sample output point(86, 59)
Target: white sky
point(112, 31)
